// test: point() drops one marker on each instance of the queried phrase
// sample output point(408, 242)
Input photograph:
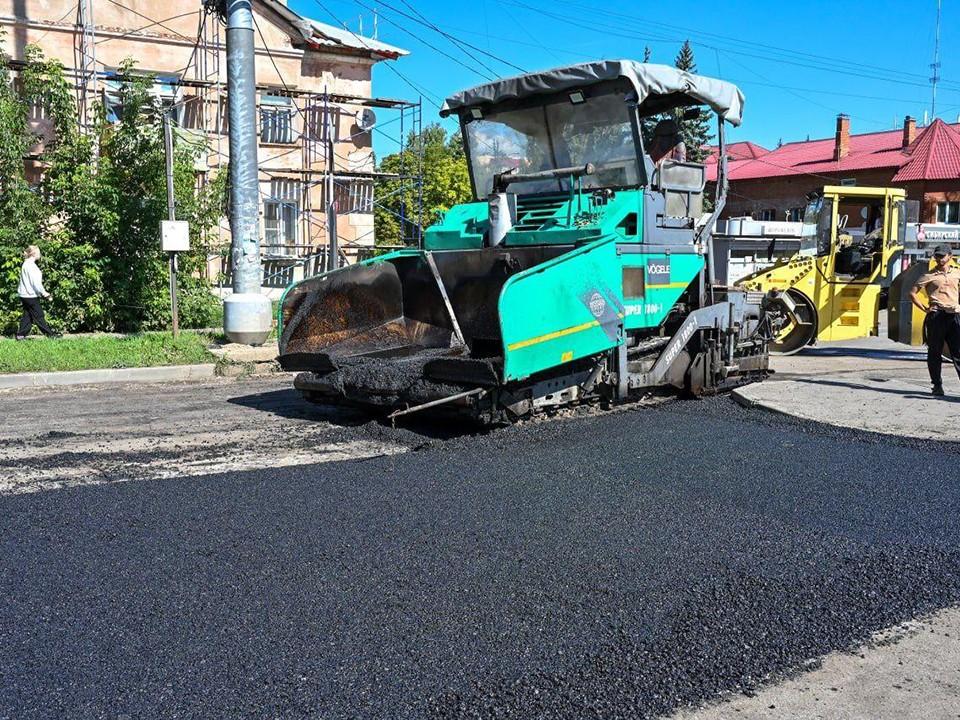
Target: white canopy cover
point(650, 82)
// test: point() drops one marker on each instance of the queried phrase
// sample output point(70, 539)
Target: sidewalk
point(870, 384)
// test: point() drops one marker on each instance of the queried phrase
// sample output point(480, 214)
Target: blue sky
point(799, 64)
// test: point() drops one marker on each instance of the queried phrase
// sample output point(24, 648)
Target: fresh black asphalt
point(609, 566)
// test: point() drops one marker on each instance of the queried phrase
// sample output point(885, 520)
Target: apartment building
point(317, 111)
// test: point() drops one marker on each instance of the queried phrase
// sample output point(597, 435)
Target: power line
point(797, 95)
point(196, 43)
point(553, 50)
point(434, 99)
point(419, 39)
point(740, 41)
point(616, 30)
point(460, 43)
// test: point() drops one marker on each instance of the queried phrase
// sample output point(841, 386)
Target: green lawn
point(89, 353)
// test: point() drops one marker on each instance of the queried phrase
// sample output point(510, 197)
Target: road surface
point(622, 565)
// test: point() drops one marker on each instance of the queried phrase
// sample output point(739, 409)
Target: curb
point(115, 375)
point(743, 401)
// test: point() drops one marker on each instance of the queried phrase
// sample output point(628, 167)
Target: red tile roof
point(935, 150)
point(934, 155)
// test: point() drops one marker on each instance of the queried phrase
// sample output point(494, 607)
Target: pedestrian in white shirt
point(30, 291)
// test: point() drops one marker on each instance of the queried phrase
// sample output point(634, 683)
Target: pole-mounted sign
point(174, 238)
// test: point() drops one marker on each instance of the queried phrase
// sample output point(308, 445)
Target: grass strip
point(104, 352)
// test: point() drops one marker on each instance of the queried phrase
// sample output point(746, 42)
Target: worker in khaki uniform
point(942, 286)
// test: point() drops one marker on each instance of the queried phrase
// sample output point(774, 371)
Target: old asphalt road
point(610, 566)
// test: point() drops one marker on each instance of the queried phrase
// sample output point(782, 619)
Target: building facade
point(771, 185)
point(316, 106)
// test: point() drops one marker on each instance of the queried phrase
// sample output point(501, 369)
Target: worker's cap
point(942, 251)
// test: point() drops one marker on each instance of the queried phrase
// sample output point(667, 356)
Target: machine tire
point(795, 336)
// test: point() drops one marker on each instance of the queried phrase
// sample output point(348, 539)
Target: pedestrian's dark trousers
point(944, 327)
point(33, 314)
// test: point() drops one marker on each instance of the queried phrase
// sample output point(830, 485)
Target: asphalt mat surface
point(609, 566)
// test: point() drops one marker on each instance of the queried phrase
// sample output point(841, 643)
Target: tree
point(96, 216)
point(696, 131)
point(446, 182)
point(26, 217)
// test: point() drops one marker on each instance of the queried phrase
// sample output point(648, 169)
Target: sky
point(798, 64)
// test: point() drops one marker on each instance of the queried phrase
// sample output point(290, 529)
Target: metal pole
point(333, 244)
point(936, 68)
point(171, 215)
point(419, 128)
point(403, 179)
point(246, 313)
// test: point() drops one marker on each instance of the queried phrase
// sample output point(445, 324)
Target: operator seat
point(667, 142)
point(860, 260)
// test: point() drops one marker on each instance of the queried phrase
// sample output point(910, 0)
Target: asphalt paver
point(619, 565)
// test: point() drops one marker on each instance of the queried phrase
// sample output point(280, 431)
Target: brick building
point(314, 84)
point(772, 184)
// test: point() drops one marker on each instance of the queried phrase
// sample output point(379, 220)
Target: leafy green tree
point(24, 214)
point(446, 182)
point(96, 211)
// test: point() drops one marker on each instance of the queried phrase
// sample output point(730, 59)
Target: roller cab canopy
point(658, 88)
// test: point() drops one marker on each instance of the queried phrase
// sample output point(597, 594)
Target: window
point(848, 182)
point(767, 215)
point(166, 92)
point(281, 211)
point(276, 118)
point(948, 212)
point(560, 134)
point(280, 226)
point(795, 214)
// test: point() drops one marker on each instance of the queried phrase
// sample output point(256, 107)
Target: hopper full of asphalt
point(608, 566)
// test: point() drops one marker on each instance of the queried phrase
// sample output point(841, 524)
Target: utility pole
point(936, 68)
point(333, 244)
point(172, 215)
point(247, 316)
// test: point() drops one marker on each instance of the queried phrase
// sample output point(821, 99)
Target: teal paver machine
point(581, 272)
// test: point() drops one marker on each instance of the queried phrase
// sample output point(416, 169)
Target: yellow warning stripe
point(585, 326)
point(552, 336)
point(671, 286)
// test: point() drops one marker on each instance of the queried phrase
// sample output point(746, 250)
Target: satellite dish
point(366, 119)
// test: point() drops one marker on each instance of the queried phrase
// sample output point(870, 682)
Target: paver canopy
point(658, 87)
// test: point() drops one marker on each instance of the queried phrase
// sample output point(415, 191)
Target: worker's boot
point(937, 390)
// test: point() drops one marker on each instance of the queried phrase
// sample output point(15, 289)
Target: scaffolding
point(330, 186)
point(86, 54)
point(324, 187)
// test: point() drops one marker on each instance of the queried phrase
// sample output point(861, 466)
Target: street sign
point(175, 235)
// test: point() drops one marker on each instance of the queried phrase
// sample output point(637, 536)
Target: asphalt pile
point(611, 566)
point(391, 381)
